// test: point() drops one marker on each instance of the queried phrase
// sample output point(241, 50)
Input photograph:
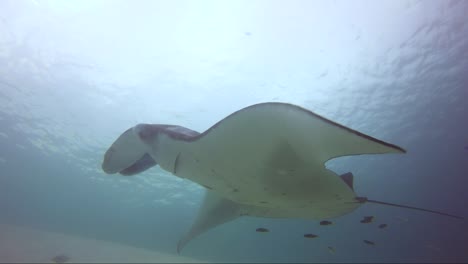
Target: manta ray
point(265, 160)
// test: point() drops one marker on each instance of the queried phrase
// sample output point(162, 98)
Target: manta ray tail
point(364, 199)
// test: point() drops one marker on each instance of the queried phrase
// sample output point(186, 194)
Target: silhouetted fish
point(262, 230)
point(331, 249)
point(367, 219)
point(60, 258)
point(325, 222)
point(310, 236)
point(382, 225)
point(369, 242)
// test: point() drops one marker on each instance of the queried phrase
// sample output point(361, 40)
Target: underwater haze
point(74, 75)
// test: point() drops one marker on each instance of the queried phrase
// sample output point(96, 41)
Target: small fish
point(310, 236)
point(382, 225)
point(331, 249)
point(367, 219)
point(60, 258)
point(262, 230)
point(325, 222)
point(369, 242)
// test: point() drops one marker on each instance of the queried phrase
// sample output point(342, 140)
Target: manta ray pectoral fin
point(348, 179)
point(214, 211)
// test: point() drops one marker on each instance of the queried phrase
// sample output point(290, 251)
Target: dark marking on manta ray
point(208, 187)
point(174, 171)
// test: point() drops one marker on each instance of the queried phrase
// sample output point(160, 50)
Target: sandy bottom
point(22, 244)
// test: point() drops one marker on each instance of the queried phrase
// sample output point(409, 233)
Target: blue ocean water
point(75, 74)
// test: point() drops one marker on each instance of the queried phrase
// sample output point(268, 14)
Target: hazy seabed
point(24, 244)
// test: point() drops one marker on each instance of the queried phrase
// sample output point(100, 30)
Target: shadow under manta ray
point(265, 160)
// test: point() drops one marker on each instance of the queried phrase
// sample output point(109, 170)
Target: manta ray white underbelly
point(265, 160)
